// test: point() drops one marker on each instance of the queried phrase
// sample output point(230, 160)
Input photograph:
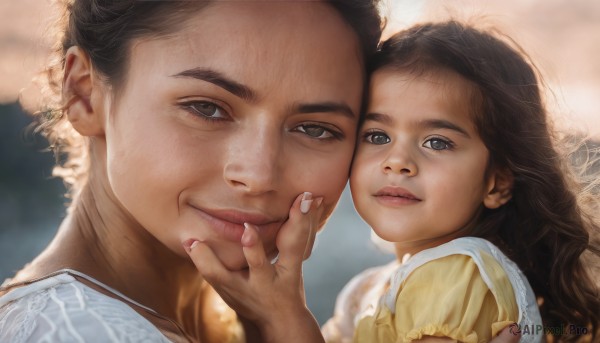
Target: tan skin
point(269, 293)
point(161, 172)
point(177, 155)
point(430, 148)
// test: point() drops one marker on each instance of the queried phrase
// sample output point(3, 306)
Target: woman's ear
point(499, 188)
point(79, 90)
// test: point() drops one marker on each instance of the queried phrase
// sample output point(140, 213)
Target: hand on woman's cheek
point(270, 295)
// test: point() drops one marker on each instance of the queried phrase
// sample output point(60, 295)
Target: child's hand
point(270, 295)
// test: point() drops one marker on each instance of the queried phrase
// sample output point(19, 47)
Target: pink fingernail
point(305, 206)
point(190, 244)
point(319, 201)
point(245, 236)
point(247, 239)
point(306, 202)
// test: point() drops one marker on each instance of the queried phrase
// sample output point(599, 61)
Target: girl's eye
point(437, 144)
point(205, 109)
point(317, 131)
point(377, 138)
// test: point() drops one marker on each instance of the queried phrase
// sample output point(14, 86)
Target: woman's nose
point(253, 160)
point(400, 161)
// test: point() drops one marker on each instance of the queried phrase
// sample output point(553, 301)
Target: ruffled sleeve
point(359, 297)
point(446, 297)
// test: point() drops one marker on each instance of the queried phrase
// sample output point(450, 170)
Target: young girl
point(457, 166)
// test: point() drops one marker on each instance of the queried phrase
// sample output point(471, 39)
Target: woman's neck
point(99, 238)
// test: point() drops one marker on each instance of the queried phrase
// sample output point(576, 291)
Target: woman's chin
point(235, 262)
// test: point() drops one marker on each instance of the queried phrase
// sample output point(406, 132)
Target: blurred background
point(562, 37)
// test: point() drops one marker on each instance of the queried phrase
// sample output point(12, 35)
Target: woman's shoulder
point(60, 308)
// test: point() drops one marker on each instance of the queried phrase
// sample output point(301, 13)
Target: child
point(456, 165)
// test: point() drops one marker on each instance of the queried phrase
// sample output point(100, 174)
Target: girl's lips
point(394, 191)
point(395, 196)
point(229, 224)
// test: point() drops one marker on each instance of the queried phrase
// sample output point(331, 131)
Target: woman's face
point(229, 119)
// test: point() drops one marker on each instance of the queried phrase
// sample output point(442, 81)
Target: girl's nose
point(399, 161)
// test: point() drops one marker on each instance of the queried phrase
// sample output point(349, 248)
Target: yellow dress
point(466, 290)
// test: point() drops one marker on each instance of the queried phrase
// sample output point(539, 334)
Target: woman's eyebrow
point(220, 80)
point(327, 107)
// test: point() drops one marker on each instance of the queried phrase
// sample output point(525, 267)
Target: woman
point(197, 116)
point(181, 120)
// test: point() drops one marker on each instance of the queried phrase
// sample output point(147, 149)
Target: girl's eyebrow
point(380, 118)
point(443, 124)
point(425, 123)
point(220, 80)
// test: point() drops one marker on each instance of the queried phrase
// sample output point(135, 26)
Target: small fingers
point(209, 266)
point(259, 265)
point(315, 220)
point(296, 233)
point(510, 334)
point(254, 250)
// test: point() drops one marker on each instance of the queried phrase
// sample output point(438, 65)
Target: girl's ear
point(499, 188)
point(82, 94)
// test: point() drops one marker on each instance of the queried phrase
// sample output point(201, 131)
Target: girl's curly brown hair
point(551, 223)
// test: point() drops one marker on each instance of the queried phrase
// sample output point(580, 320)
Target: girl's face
point(229, 119)
point(419, 172)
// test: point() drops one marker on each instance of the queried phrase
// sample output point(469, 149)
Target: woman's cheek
point(331, 180)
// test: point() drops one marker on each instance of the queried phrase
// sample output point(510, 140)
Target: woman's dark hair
point(545, 228)
point(104, 29)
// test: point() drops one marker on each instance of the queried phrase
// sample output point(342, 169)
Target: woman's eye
point(437, 144)
point(316, 131)
point(377, 138)
point(205, 109)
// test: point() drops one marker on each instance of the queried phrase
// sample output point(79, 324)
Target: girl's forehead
point(405, 93)
point(449, 84)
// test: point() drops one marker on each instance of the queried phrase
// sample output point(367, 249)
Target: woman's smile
point(229, 223)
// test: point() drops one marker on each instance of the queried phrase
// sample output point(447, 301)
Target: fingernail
point(306, 202)
point(247, 240)
point(319, 201)
point(306, 196)
point(190, 244)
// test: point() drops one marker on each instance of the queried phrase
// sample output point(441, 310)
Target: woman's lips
point(395, 196)
point(229, 224)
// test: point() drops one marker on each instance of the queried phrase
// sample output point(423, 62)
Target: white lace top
point(62, 309)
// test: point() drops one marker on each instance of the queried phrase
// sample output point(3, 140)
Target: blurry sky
point(563, 37)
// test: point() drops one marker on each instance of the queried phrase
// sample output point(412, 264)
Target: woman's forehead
point(264, 45)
